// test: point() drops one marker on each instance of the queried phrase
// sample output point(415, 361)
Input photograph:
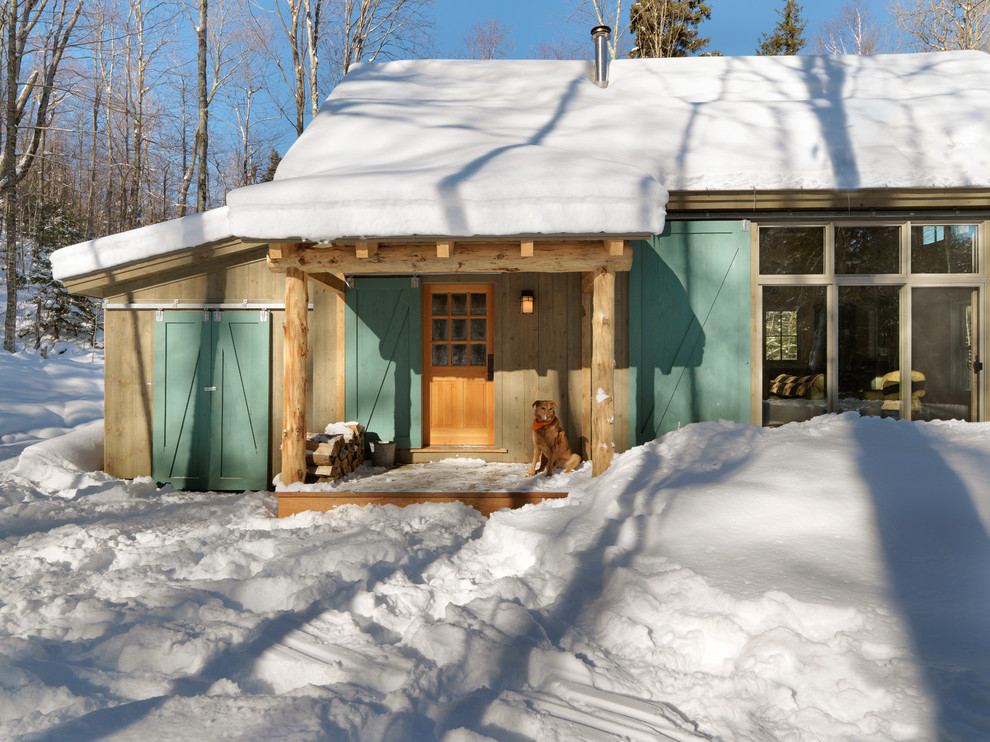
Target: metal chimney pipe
point(601, 36)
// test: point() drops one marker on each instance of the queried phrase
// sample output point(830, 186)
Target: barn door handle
point(977, 366)
point(209, 388)
point(491, 367)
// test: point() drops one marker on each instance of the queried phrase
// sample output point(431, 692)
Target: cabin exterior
point(823, 251)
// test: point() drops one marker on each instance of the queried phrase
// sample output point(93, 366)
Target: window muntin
point(454, 324)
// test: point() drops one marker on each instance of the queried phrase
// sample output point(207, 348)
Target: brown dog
point(550, 447)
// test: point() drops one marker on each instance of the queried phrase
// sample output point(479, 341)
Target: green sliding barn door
point(689, 328)
point(384, 382)
point(211, 400)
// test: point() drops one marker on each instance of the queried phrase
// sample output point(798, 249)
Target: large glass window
point(794, 367)
point(799, 250)
point(868, 348)
point(943, 248)
point(867, 249)
point(879, 319)
point(942, 374)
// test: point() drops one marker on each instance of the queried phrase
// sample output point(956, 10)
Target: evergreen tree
point(786, 37)
point(269, 172)
point(59, 314)
point(668, 28)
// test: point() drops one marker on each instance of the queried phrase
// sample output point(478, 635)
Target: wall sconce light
point(526, 303)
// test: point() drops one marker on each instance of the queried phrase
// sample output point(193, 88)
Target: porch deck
point(485, 486)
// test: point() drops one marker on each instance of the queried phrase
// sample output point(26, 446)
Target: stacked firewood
point(330, 457)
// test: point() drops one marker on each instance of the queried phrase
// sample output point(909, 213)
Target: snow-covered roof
point(497, 148)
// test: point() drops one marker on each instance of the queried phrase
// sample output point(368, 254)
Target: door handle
point(491, 367)
point(977, 366)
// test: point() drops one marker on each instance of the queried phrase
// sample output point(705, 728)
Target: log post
point(602, 370)
point(294, 355)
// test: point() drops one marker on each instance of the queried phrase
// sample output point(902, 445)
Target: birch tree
point(597, 13)
point(30, 74)
point(852, 31)
point(668, 28)
point(940, 25)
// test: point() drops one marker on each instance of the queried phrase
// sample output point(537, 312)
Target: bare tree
point(55, 23)
point(216, 59)
point(944, 24)
point(368, 30)
point(560, 48)
point(604, 13)
point(487, 39)
point(852, 31)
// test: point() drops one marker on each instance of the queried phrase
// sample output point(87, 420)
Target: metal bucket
point(383, 453)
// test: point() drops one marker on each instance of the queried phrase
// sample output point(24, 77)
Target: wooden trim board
point(290, 503)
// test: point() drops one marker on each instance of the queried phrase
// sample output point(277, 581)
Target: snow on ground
point(827, 580)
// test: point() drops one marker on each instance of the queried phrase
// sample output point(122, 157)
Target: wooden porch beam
point(330, 280)
point(469, 257)
point(294, 354)
point(602, 370)
point(365, 250)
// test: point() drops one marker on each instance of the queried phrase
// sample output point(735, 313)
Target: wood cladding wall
point(541, 356)
point(538, 356)
point(129, 371)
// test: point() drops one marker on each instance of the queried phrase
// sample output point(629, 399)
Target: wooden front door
point(458, 365)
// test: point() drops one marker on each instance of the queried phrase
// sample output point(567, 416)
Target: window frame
point(904, 279)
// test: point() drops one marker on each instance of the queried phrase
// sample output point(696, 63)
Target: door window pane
point(943, 248)
point(799, 250)
point(458, 329)
point(869, 349)
point(458, 304)
point(943, 345)
point(439, 305)
point(867, 250)
point(479, 304)
point(458, 355)
point(439, 330)
point(479, 329)
point(794, 347)
point(479, 354)
point(440, 355)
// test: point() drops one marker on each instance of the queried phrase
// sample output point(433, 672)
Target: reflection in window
point(794, 357)
point(792, 250)
point(869, 349)
point(780, 327)
point(941, 248)
point(867, 249)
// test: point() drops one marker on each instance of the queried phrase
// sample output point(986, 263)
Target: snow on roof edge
point(135, 245)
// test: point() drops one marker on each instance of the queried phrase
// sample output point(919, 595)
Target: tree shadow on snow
point(937, 554)
point(515, 659)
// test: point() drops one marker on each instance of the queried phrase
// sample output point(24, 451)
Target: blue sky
point(734, 27)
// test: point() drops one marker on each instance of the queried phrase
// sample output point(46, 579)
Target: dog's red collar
point(537, 424)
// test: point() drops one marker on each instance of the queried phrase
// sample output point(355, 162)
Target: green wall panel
point(384, 381)
point(689, 328)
